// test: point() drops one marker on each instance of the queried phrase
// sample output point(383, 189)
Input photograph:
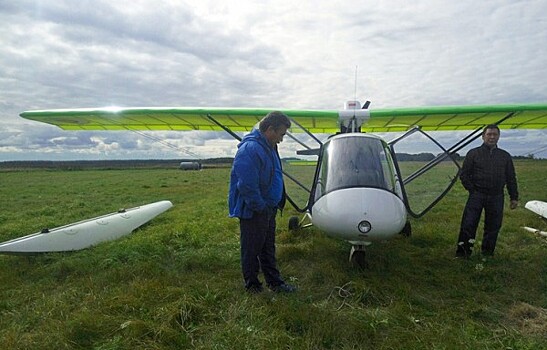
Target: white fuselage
point(339, 213)
point(358, 195)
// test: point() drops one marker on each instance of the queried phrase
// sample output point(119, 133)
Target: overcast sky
point(283, 54)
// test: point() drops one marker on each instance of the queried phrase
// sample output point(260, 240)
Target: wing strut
point(166, 143)
point(475, 134)
point(237, 137)
point(447, 153)
point(307, 131)
point(234, 135)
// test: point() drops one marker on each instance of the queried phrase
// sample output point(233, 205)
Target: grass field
point(175, 283)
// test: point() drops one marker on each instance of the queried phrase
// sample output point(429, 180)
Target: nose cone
point(348, 214)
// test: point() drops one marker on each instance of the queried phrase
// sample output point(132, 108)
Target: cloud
point(282, 54)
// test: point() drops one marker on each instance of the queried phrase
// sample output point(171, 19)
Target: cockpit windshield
point(355, 161)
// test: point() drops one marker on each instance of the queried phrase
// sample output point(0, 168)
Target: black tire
point(294, 224)
point(407, 230)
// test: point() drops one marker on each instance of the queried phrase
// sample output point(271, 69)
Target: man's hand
point(514, 204)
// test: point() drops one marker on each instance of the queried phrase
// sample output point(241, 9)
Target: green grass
point(175, 283)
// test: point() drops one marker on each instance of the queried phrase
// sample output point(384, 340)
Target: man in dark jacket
point(486, 171)
point(256, 192)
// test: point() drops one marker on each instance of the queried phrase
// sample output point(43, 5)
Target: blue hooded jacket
point(256, 180)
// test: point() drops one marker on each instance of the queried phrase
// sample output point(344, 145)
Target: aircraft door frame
point(424, 169)
point(297, 128)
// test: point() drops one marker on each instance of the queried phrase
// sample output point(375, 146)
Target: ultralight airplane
point(359, 190)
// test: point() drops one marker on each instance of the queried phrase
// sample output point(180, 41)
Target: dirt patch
point(528, 319)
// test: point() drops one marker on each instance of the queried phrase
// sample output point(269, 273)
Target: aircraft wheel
point(407, 230)
point(294, 223)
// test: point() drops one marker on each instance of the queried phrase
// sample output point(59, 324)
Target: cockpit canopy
point(355, 160)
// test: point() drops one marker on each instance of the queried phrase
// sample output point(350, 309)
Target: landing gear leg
point(407, 230)
point(357, 256)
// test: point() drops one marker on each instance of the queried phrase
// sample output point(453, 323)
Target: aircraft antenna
point(355, 85)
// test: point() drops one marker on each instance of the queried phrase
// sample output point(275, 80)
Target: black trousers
point(493, 216)
point(258, 249)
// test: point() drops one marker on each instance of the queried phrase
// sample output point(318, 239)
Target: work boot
point(283, 288)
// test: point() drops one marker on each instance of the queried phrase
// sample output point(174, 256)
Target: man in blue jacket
point(256, 192)
point(485, 172)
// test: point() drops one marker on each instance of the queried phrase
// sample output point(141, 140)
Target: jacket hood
point(254, 135)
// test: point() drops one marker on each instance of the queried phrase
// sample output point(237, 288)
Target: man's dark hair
point(490, 126)
point(274, 119)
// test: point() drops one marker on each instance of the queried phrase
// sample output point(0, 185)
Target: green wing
point(176, 118)
point(524, 116)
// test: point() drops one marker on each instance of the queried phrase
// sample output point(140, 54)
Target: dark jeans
point(258, 249)
point(493, 215)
